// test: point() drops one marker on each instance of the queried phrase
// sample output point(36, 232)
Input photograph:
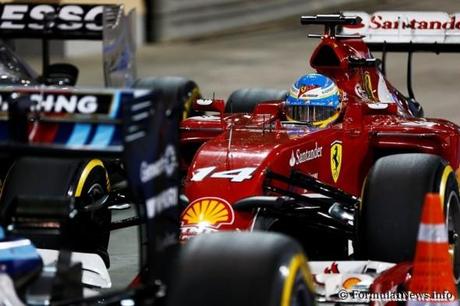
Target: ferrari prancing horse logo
point(336, 159)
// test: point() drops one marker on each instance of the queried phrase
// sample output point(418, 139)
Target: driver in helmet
point(313, 99)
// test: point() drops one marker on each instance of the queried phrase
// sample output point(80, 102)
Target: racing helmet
point(315, 99)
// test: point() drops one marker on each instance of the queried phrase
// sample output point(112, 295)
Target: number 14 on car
point(236, 175)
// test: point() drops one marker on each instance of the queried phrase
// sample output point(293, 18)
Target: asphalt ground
point(273, 56)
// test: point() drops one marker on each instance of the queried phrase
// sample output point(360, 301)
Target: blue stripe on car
point(79, 134)
point(103, 136)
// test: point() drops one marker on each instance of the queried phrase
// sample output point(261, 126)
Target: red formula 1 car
point(360, 179)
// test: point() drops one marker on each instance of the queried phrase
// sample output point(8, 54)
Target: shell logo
point(205, 215)
point(350, 282)
point(209, 212)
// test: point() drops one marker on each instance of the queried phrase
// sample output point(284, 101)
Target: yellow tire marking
point(442, 193)
point(298, 262)
point(442, 188)
point(86, 171)
point(195, 94)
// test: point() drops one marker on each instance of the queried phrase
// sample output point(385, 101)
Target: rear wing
point(64, 121)
point(54, 21)
point(136, 126)
point(409, 31)
point(399, 31)
point(394, 32)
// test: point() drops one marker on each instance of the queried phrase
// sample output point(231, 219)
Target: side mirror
point(381, 108)
point(209, 105)
point(60, 75)
point(415, 107)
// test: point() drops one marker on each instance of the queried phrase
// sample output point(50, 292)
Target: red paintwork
point(334, 268)
point(263, 141)
point(393, 280)
point(42, 133)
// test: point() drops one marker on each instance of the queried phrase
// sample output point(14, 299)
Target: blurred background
point(228, 44)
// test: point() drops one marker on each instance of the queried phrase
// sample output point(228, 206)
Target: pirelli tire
point(178, 92)
point(244, 100)
point(392, 201)
point(92, 185)
point(245, 269)
point(85, 180)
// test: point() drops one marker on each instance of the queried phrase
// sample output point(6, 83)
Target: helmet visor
point(307, 113)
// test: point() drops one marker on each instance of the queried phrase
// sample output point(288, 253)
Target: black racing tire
point(392, 201)
point(178, 92)
point(245, 269)
point(37, 177)
point(245, 100)
point(93, 184)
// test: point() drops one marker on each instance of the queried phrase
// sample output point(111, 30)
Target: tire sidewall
point(387, 226)
point(93, 226)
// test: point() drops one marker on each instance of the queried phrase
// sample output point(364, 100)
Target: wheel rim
point(95, 192)
point(300, 294)
point(298, 285)
point(453, 227)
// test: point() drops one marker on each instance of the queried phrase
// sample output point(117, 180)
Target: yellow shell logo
point(208, 211)
point(350, 282)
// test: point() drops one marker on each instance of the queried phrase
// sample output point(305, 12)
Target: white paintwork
point(94, 270)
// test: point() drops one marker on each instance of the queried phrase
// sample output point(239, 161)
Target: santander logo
point(379, 22)
point(299, 156)
point(404, 27)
